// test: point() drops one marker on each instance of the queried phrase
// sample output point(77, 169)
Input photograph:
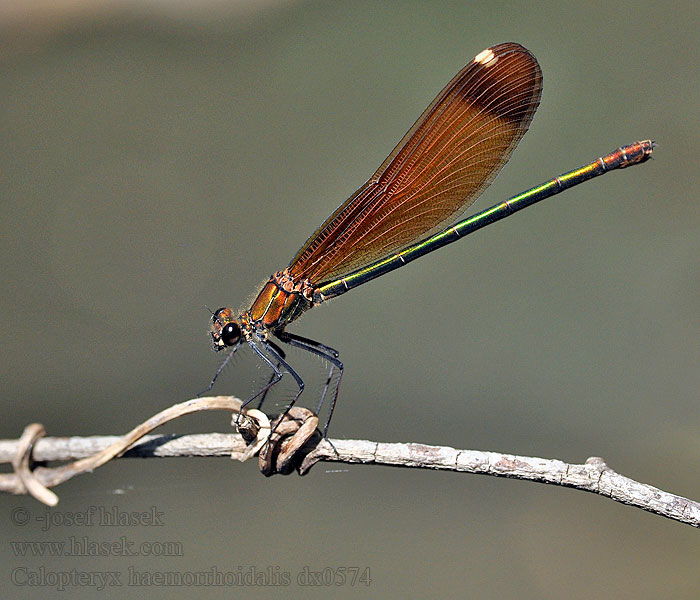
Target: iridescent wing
point(439, 168)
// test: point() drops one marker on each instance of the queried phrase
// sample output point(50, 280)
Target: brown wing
point(439, 168)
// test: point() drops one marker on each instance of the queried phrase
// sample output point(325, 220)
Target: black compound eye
point(230, 334)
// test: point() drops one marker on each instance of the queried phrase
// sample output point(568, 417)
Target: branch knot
point(282, 443)
point(21, 463)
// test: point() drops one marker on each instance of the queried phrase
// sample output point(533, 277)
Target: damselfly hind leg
point(325, 352)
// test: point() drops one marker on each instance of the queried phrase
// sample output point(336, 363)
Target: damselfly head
point(225, 329)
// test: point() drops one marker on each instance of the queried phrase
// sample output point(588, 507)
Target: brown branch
point(592, 476)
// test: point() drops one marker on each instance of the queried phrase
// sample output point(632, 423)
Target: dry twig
point(296, 444)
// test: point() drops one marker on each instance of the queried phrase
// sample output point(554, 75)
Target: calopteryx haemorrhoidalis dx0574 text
point(439, 168)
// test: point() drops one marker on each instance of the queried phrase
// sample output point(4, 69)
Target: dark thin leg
point(325, 388)
point(285, 335)
point(277, 373)
point(277, 349)
point(269, 383)
point(272, 350)
point(307, 344)
point(323, 351)
point(218, 372)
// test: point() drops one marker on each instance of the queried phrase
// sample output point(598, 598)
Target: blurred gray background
point(159, 157)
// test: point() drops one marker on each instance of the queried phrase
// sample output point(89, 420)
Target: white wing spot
point(486, 58)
